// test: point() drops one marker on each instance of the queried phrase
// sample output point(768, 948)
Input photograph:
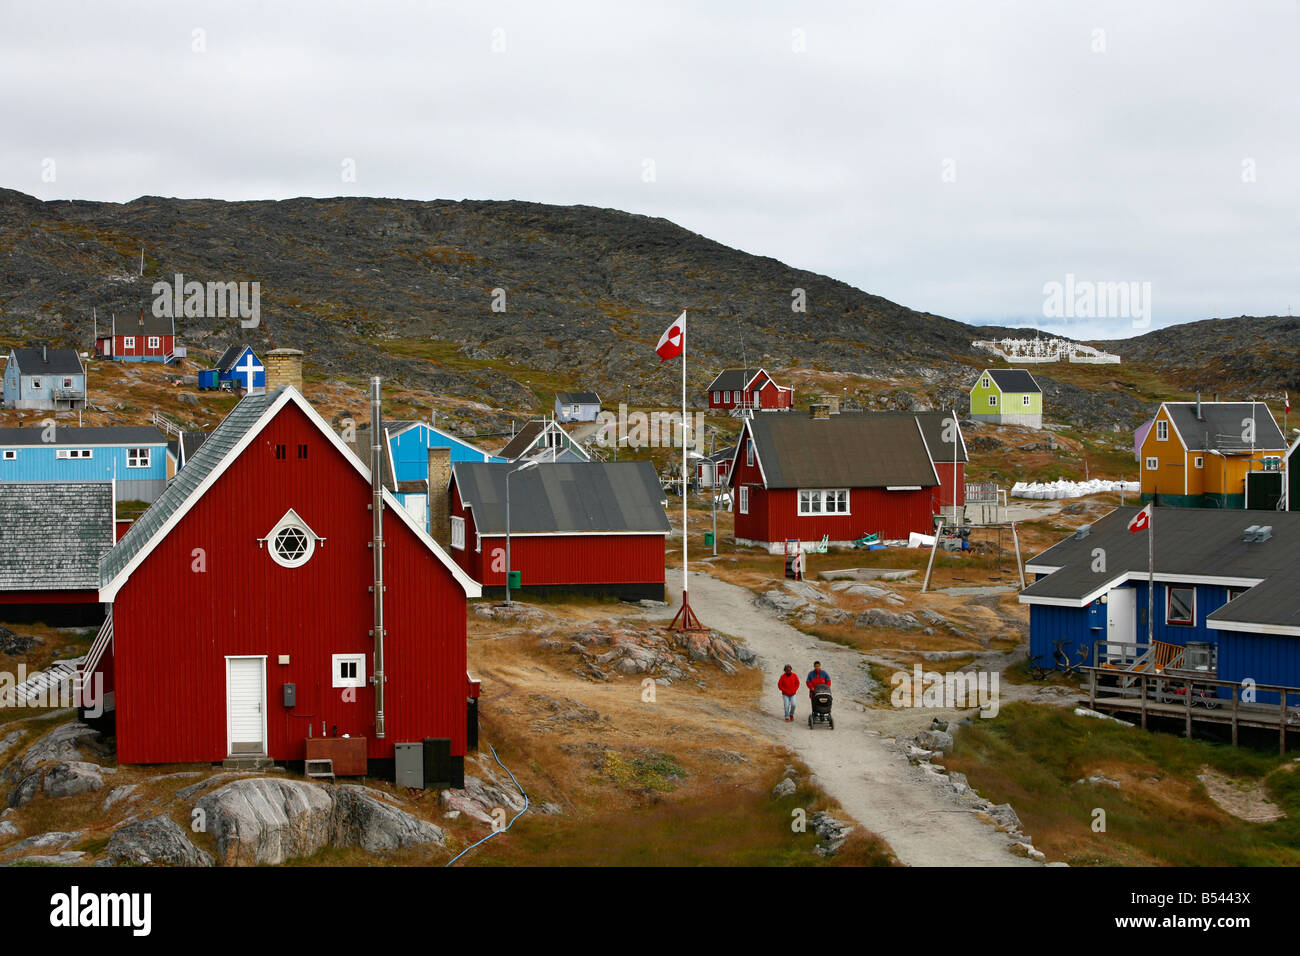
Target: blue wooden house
point(239, 369)
point(134, 458)
point(1226, 594)
point(577, 406)
point(44, 378)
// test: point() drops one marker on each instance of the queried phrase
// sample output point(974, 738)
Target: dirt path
point(863, 771)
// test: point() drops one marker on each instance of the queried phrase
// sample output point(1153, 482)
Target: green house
point(1007, 396)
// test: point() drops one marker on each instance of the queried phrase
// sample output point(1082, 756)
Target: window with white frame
point(10, 454)
point(67, 383)
point(36, 383)
point(128, 341)
point(154, 342)
point(1162, 431)
point(291, 543)
point(1199, 461)
point(1024, 399)
point(73, 453)
point(993, 401)
point(819, 501)
point(1180, 606)
point(744, 499)
point(349, 670)
point(749, 452)
point(458, 532)
point(137, 457)
point(984, 382)
point(1153, 464)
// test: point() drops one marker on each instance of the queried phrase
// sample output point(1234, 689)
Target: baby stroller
point(821, 708)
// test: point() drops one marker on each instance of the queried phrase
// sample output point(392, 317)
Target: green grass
point(1032, 755)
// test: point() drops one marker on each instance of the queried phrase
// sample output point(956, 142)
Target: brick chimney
point(439, 502)
point(820, 410)
point(283, 367)
point(832, 403)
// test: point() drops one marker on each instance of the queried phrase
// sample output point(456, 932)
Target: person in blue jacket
point(817, 678)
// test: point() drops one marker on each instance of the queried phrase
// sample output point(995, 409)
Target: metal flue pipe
point(377, 547)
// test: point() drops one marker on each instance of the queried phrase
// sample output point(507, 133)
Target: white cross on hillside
point(248, 370)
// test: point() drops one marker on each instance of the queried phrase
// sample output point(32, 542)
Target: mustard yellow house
point(1198, 454)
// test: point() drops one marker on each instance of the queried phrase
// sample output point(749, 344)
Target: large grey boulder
point(64, 743)
point(936, 740)
point(362, 819)
point(156, 840)
point(7, 828)
point(54, 840)
point(73, 777)
point(26, 790)
point(782, 601)
point(879, 617)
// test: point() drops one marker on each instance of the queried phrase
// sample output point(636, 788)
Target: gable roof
point(1015, 380)
point(528, 436)
point(52, 534)
point(934, 429)
point(849, 450)
point(735, 379)
point(1190, 544)
point(47, 361)
point(232, 355)
point(612, 497)
point(1220, 427)
point(146, 323)
point(395, 428)
point(108, 435)
point(190, 442)
point(577, 398)
point(226, 442)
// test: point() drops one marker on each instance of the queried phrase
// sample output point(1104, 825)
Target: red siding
point(141, 348)
point(174, 626)
point(769, 397)
point(945, 490)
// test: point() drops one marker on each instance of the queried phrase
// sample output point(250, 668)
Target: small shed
point(577, 406)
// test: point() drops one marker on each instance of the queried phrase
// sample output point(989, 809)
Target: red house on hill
point(147, 338)
point(588, 527)
point(835, 476)
point(749, 389)
point(262, 545)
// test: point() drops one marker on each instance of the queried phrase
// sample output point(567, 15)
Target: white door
point(1121, 621)
point(246, 705)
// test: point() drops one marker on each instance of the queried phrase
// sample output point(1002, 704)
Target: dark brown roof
point(861, 450)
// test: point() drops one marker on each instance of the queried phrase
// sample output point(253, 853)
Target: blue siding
point(41, 463)
point(239, 378)
point(1264, 658)
point(410, 451)
point(1077, 626)
point(1209, 598)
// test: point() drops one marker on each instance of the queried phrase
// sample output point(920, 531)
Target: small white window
point(36, 383)
point(1162, 431)
point(993, 401)
point(73, 453)
point(458, 532)
point(128, 341)
point(1024, 399)
point(984, 382)
point(154, 342)
point(291, 542)
point(137, 457)
point(349, 670)
point(717, 398)
point(749, 452)
point(1153, 464)
point(1199, 461)
point(67, 383)
point(11, 454)
point(744, 499)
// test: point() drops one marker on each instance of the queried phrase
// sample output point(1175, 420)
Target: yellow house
point(1198, 454)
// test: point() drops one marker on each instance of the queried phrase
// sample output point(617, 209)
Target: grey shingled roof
point(1220, 428)
point(144, 324)
point(854, 450)
point(732, 379)
point(1013, 380)
point(223, 438)
point(47, 361)
point(115, 435)
point(52, 534)
point(578, 398)
point(1196, 542)
point(564, 497)
point(190, 443)
point(229, 357)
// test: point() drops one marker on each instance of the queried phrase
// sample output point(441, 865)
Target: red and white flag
point(1286, 396)
point(1141, 521)
point(673, 341)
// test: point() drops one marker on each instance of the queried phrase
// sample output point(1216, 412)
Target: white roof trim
point(1248, 628)
point(735, 459)
point(108, 593)
point(565, 534)
point(1140, 577)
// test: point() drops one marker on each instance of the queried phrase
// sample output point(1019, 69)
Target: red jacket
point(788, 684)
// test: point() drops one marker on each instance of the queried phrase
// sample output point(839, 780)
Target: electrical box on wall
point(290, 695)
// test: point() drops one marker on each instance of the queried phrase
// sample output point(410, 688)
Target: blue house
point(239, 368)
point(44, 378)
point(1226, 595)
point(134, 458)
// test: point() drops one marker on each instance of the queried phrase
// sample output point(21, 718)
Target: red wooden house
point(741, 388)
point(262, 546)
point(832, 476)
point(147, 338)
point(586, 527)
point(947, 447)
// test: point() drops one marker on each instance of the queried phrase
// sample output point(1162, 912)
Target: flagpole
point(684, 535)
point(1151, 576)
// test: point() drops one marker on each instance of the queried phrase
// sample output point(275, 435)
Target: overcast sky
point(954, 157)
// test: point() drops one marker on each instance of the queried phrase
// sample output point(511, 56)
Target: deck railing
point(96, 653)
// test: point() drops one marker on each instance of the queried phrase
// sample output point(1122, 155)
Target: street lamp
point(524, 467)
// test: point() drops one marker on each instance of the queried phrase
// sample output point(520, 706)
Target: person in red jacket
point(788, 684)
point(817, 678)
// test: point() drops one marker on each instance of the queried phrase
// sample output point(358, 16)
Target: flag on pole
point(1286, 397)
point(673, 341)
point(1141, 521)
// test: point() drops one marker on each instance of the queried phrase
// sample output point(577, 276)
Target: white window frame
point(1162, 431)
point(154, 342)
point(36, 383)
point(993, 401)
point(1153, 464)
point(717, 397)
point(139, 457)
point(67, 453)
point(743, 504)
point(11, 454)
point(357, 662)
point(985, 383)
point(749, 452)
point(1199, 461)
point(1024, 399)
point(814, 502)
point(291, 520)
point(128, 341)
point(67, 383)
point(1169, 597)
point(458, 532)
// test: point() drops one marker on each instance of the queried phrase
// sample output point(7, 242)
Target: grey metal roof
point(578, 398)
point(564, 497)
point(144, 324)
point(223, 438)
point(1192, 542)
point(733, 379)
point(724, 454)
point(133, 436)
point(1220, 426)
point(1013, 380)
point(47, 361)
point(935, 429)
point(229, 357)
point(52, 534)
point(190, 442)
point(853, 450)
